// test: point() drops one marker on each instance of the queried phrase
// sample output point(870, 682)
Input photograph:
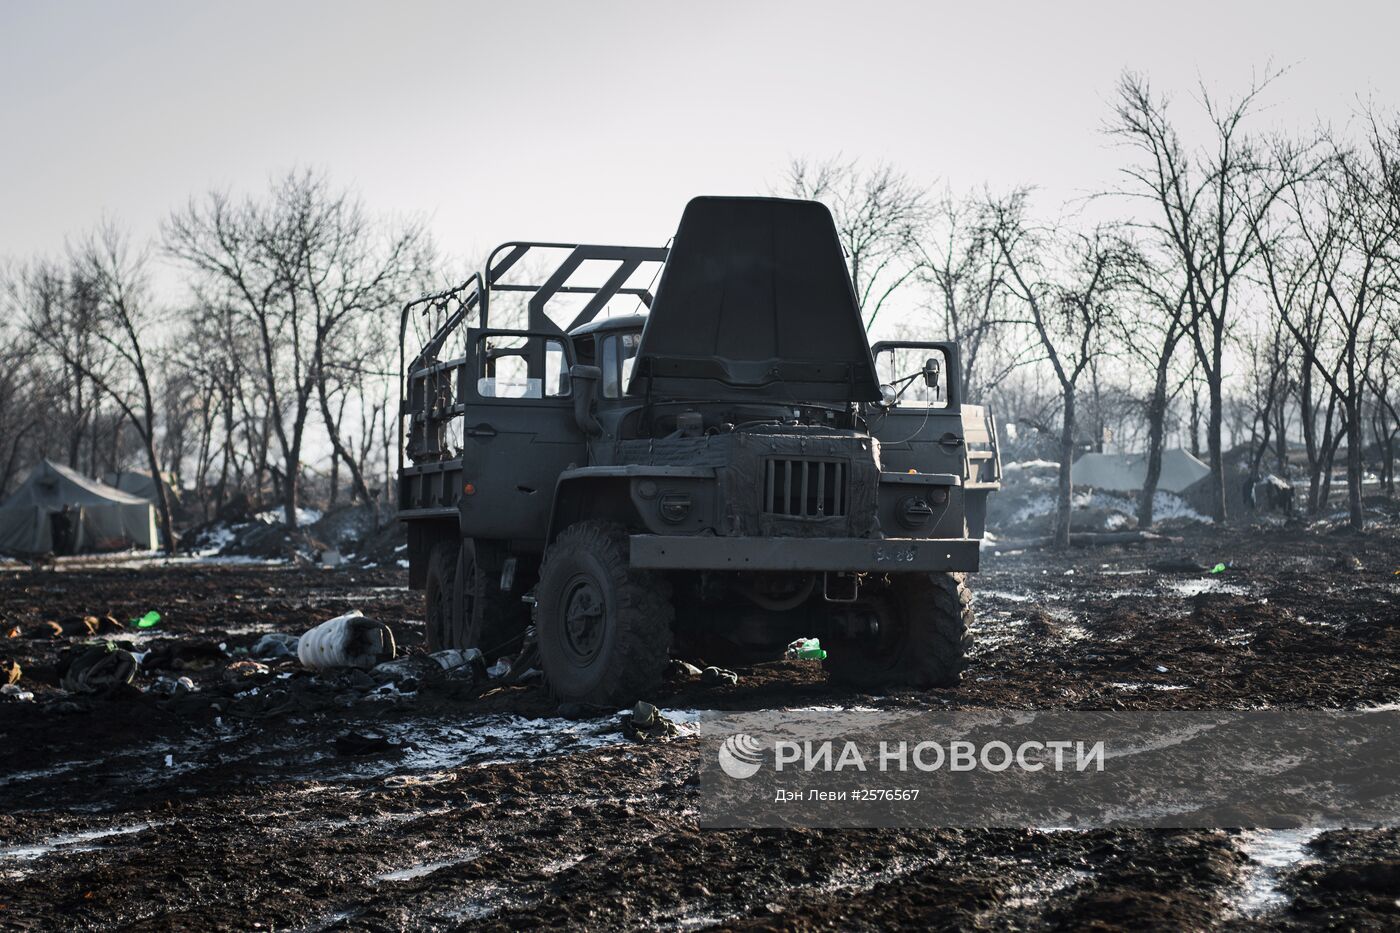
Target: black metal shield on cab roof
point(755, 302)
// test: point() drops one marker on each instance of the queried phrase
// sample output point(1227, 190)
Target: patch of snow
point(279, 516)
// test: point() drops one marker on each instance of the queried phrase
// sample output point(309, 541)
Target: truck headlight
point(674, 507)
point(914, 512)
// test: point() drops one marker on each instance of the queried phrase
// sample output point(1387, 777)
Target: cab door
point(921, 429)
point(519, 432)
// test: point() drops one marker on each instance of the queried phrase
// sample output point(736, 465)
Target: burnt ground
point(236, 807)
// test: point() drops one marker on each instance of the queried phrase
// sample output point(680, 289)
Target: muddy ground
point(281, 801)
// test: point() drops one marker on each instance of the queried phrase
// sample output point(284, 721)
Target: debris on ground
point(464, 667)
point(716, 676)
point(681, 670)
point(16, 693)
point(149, 620)
point(240, 670)
point(357, 745)
point(350, 640)
point(644, 723)
point(9, 671)
point(805, 649)
point(274, 646)
point(98, 669)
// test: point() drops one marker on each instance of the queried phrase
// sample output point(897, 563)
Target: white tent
point(1127, 472)
point(98, 517)
point(139, 483)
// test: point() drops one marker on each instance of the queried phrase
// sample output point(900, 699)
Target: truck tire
point(604, 629)
point(441, 620)
point(925, 633)
point(484, 616)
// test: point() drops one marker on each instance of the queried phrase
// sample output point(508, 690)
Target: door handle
point(950, 440)
point(481, 430)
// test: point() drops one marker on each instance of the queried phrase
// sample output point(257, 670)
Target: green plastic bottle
point(149, 620)
point(807, 649)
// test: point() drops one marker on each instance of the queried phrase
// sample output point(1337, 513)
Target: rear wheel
point(922, 640)
point(479, 614)
point(604, 629)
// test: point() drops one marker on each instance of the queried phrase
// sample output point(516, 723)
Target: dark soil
point(286, 800)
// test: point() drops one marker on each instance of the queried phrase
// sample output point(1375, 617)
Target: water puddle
point(1197, 587)
point(1273, 853)
point(69, 842)
point(425, 868)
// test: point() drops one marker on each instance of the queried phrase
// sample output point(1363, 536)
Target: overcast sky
point(597, 121)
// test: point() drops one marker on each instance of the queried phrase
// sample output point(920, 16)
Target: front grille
point(804, 488)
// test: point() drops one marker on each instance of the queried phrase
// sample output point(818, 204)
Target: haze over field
point(598, 121)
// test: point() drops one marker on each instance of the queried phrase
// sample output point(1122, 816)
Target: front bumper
point(885, 555)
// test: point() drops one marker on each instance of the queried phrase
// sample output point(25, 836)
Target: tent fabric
point(1128, 472)
point(139, 483)
point(103, 518)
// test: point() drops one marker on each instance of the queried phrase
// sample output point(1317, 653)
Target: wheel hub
point(584, 619)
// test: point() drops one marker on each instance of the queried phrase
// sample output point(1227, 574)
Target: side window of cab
point(619, 353)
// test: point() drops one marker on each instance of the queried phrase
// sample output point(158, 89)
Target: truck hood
point(755, 303)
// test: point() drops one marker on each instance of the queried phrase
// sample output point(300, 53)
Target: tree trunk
point(1354, 443)
point(1213, 443)
point(1063, 504)
point(1156, 429)
point(167, 527)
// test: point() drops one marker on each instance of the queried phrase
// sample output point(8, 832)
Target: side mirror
point(584, 382)
point(931, 370)
point(888, 396)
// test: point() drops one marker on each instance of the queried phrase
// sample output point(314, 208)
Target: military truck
point(724, 464)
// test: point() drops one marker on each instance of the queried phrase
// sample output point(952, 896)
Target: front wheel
point(923, 635)
point(604, 628)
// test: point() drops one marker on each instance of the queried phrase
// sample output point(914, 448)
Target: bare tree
point(880, 218)
point(1201, 207)
point(298, 273)
point(108, 300)
point(1068, 298)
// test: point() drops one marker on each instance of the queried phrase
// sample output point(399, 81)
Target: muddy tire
point(604, 629)
point(925, 633)
point(442, 620)
point(479, 614)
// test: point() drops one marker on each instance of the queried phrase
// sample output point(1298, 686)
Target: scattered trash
point(1161, 669)
point(71, 627)
point(806, 649)
point(356, 745)
point(245, 668)
point(166, 687)
point(350, 640)
point(9, 671)
point(15, 692)
point(681, 670)
point(644, 723)
point(99, 669)
point(149, 620)
point(170, 761)
point(275, 645)
point(714, 676)
point(1218, 568)
point(498, 670)
point(466, 665)
point(330, 557)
